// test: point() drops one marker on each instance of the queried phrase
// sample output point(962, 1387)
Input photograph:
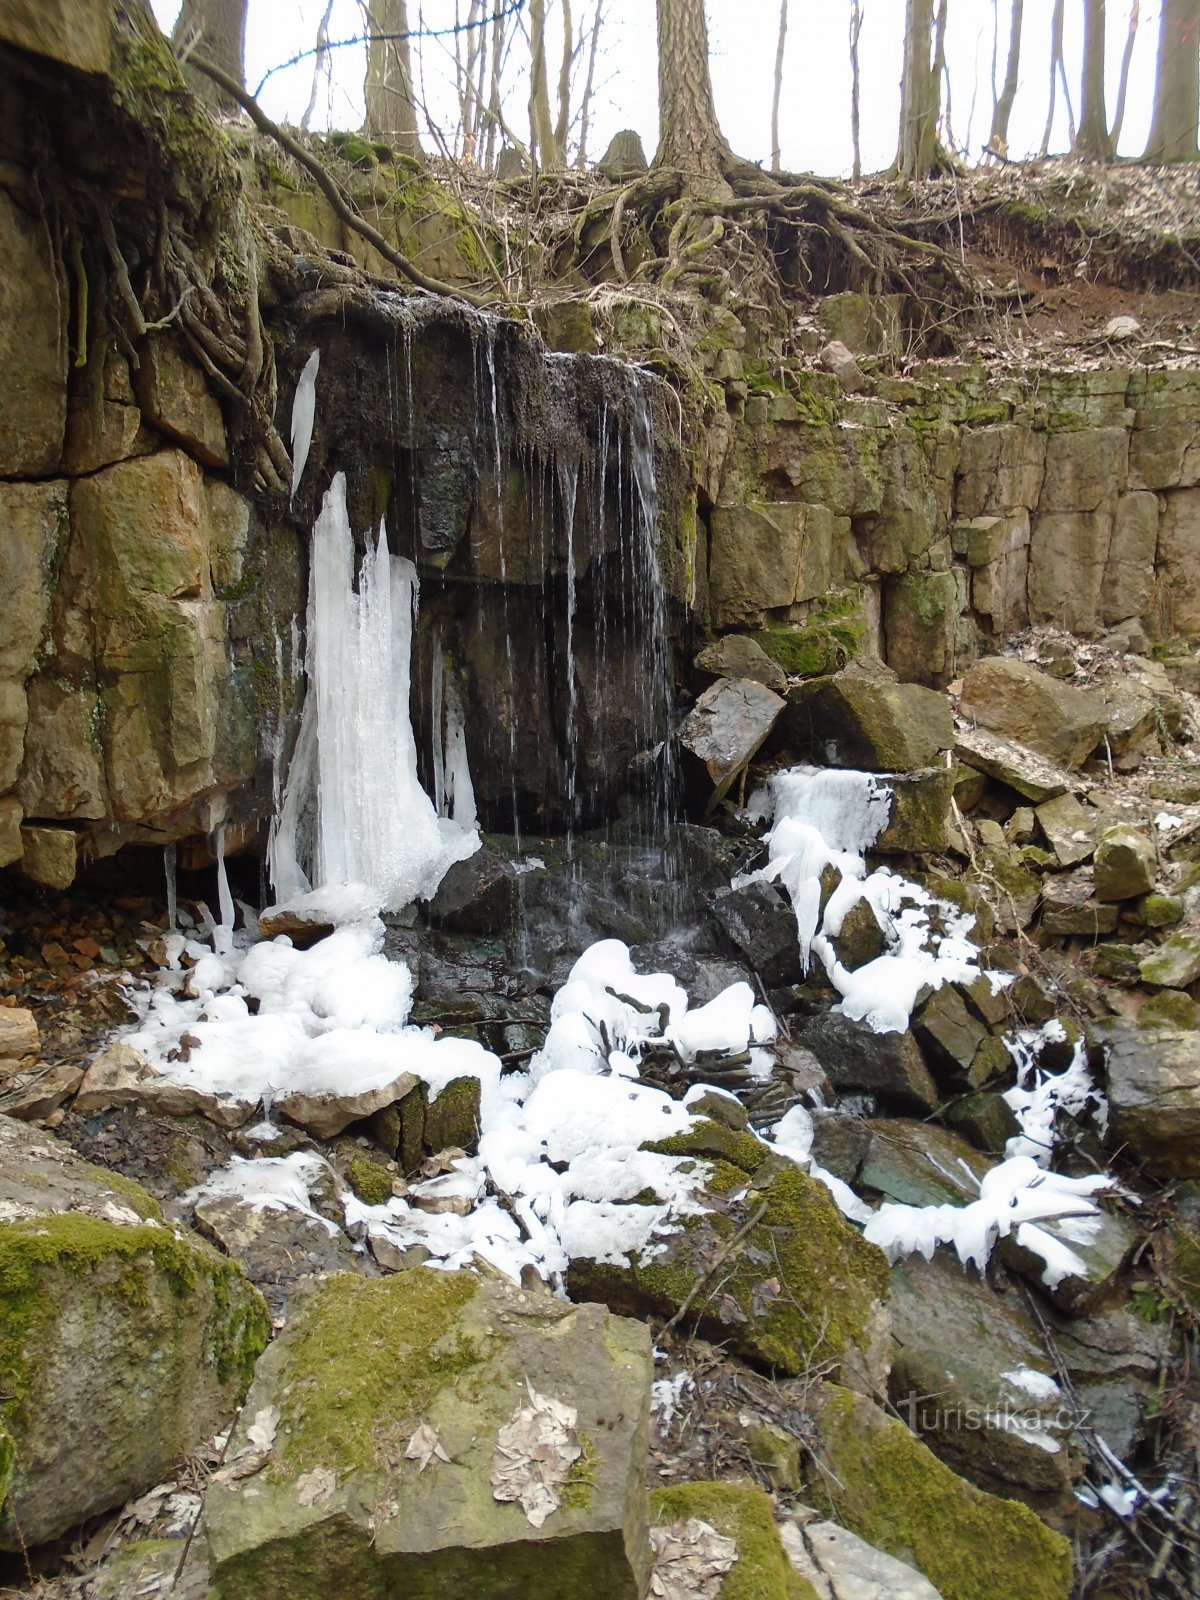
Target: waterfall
point(354, 810)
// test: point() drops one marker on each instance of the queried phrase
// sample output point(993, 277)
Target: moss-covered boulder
point(123, 1344)
point(390, 1396)
point(761, 1570)
point(877, 1479)
point(770, 1268)
point(863, 718)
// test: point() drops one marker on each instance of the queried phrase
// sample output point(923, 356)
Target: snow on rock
point(824, 817)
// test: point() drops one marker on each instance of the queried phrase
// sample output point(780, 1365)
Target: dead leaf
point(425, 1446)
point(690, 1560)
point(535, 1450)
point(261, 1432)
point(315, 1486)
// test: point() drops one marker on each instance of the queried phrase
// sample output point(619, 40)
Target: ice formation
point(824, 817)
point(304, 413)
point(353, 809)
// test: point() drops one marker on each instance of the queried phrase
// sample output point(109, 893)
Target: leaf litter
point(535, 1450)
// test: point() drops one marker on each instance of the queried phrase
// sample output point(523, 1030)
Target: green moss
point(579, 1485)
point(742, 1513)
point(1186, 1272)
point(367, 1359)
point(1170, 1008)
point(713, 1139)
point(452, 1116)
point(370, 1180)
point(882, 1483)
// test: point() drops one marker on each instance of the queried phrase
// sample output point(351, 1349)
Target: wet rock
point(736, 655)
point(276, 1247)
point(721, 734)
point(48, 856)
point(1125, 865)
point(860, 938)
point(1070, 909)
point(326, 1113)
point(801, 1285)
point(919, 819)
point(452, 1116)
point(304, 925)
point(875, 1478)
point(1175, 964)
point(126, 1344)
point(841, 1566)
point(949, 1034)
point(738, 1512)
point(761, 926)
point(864, 719)
point(840, 1143)
point(985, 1119)
point(1153, 1081)
point(361, 1488)
point(1018, 701)
point(1114, 1358)
point(858, 1061)
point(1097, 1252)
point(1068, 827)
point(1015, 764)
point(479, 895)
point(920, 1164)
point(971, 1378)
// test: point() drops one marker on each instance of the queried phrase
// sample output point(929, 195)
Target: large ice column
point(354, 774)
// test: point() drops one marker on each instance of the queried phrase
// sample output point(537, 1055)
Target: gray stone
point(1179, 562)
point(841, 1566)
point(721, 734)
point(1127, 589)
point(920, 1164)
point(887, 1065)
point(836, 358)
point(736, 655)
point(1019, 701)
point(1021, 768)
point(761, 926)
point(1069, 828)
point(347, 1491)
point(127, 1344)
point(864, 719)
point(1153, 1082)
point(1103, 1254)
point(948, 1034)
point(1070, 909)
point(479, 895)
point(1125, 864)
point(1175, 964)
point(1000, 468)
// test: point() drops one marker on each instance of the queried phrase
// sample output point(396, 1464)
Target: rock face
point(1154, 1097)
point(111, 1317)
point(824, 1298)
point(369, 1378)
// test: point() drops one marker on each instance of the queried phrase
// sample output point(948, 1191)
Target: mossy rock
point(452, 1116)
point(340, 1506)
point(877, 1479)
point(370, 1180)
point(800, 1287)
point(744, 1514)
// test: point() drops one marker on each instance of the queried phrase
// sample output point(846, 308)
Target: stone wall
point(928, 518)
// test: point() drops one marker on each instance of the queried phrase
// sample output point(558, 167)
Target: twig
point(721, 1257)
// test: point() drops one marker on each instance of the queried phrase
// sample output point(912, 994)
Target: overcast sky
point(815, 108)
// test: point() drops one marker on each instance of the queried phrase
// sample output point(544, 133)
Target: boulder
point(1175, 964)
point(123, 1345)
point(1018, 701)
point(836, 358)
point(919, 1164)
point(873, 1476)
point(1070, 909)
point(760, 924)
point(949, 1035)
point(721, 734)
point(1068, 827)
point(864, 719)
point(48, 856)
point(437, 1433)
point(1125, 865)
point(1014, 764)
point(18, 1034)
point(799, 1285)
point(275, 1245)
point(858, 1061)
point(840, 1566)
point(736, 655)
point(121, 1076)
point(480, 895)
point(1153, 1081)
point(1091, 1272)
point(919, 818)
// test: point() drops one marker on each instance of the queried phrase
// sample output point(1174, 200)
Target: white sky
point(815, 107)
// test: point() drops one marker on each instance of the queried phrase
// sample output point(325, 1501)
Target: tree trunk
point(689, 139)
point(1177, 85)
point(855, 86)
point(542, 146)
point(920, 98)
point(1093, 142)
point(562, 127)
point(1002, 110)
point(391, 111)
point(585, 105)
point(217, 28)
point(1118, 121)
point(778, 86)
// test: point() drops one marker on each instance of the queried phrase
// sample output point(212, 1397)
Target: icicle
point(170, 857)
point(223, 932)
point(304, 412)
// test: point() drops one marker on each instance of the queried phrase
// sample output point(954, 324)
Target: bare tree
point(1118, 121)
point(391, 108)
point(920, 93)
point(320, 64)
point(542, 148)
point(1058, 73)
point(585, 104)
point(218, 29)
point(1002, 109)
point(856, 21)
point(1177, 84)
point(690, 139)
point(1092, 140)
point(778, 86)
point(562, 126)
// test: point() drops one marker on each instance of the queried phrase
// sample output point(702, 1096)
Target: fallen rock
point(1154, 1096)
point(918, 822)
point(919, 1164)
point(121, 1076)
point(125, 1344)
point(871, 1475)
point(1068, 827)
point(1019, 701)
point(864, 719)
point(858, 1061)
point(836, 358)
point(1125, 864)
point(32, 1094)
point(1015, 764)
point(407, 1406)
point(742, 1518)
point(736, 655)
point(49, 856)
point(479, 895)
point(325, 1112)
point(303, 925)
point(802, 1285)
point(841, 1566)
point(1089, 1261)
point(949, 1035)
point(1175, 964)
point(18, 1035)
point(1114, 1358)
point(276, 1247)
point(1070, 909)
point(760, 924)
point(721, 734)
